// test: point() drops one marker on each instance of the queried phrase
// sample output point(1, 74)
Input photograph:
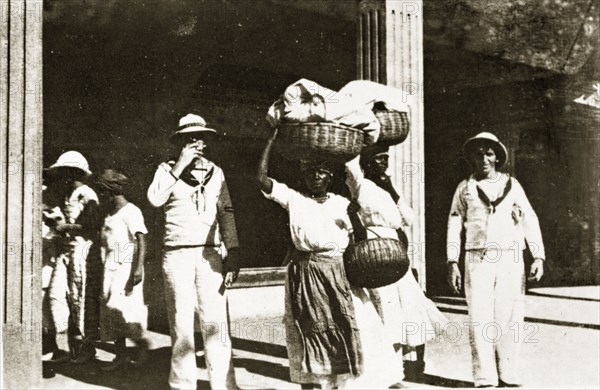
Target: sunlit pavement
point(561, 349)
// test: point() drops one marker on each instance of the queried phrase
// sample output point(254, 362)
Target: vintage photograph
point(300, 194)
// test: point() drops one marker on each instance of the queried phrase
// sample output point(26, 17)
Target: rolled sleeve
point(162, 186)
point(280, 193)
point(135, 222)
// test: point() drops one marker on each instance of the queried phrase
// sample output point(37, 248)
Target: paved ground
point(562, 350)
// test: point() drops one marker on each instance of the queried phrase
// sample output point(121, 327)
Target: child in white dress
point(123, 313)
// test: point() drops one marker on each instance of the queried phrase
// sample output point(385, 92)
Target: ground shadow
point(263, 368)
point(200, 361)
point(434, 380)
point(152, 375)
point(261, 347)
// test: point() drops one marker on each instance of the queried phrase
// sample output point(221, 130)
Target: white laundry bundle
point(307, 101)
point(368, 93)
point(389, 104)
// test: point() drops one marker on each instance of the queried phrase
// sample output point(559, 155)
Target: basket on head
point(375, 262)
point(319, 140)
point(394, 126)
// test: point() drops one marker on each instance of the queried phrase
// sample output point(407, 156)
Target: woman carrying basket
point(334, 335)
point(409, 317)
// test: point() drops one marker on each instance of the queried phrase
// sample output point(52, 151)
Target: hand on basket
point(359, 231)
point(353, 207)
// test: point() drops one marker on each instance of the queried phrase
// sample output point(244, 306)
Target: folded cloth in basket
point(307, 101)
point(368, 93)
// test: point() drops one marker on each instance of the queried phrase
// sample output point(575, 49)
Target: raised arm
point(166, 176)
point(354, 176)
point(266, 184)
point(162, 185)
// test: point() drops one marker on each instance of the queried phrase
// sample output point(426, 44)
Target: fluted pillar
point(390, 51)
point(21, 156)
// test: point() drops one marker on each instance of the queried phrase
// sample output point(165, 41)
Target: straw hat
point(489, 138)
point(189, 124)
point(73, 160)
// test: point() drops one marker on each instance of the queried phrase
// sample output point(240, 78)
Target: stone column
point(21, 156)
point(390, 51)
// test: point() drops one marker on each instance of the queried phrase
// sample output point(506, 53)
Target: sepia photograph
point(300, 194)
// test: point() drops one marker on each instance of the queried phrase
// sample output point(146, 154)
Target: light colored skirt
point(410, 318)
point(121, 315)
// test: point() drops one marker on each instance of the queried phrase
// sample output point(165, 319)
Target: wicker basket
point(394, 126)
point(375, 262)
point(319, 140)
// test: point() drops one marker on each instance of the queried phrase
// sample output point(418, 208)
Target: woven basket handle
point(360, 233)
point(374, 232)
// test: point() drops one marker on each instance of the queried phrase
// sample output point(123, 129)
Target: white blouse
point(315, 227)
point(378, 212)
point(118, 236)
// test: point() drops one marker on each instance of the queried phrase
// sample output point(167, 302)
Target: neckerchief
point(199, 193)
point(188, 178)
point(492, 205)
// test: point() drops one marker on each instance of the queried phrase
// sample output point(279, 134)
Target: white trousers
point(495, 291)
point(67, 288)
point(192, 276)
point(58, 289)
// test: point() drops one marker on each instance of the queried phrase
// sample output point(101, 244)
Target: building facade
point(111, 79)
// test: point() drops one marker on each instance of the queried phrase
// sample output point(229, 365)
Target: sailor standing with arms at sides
point(492, 210)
